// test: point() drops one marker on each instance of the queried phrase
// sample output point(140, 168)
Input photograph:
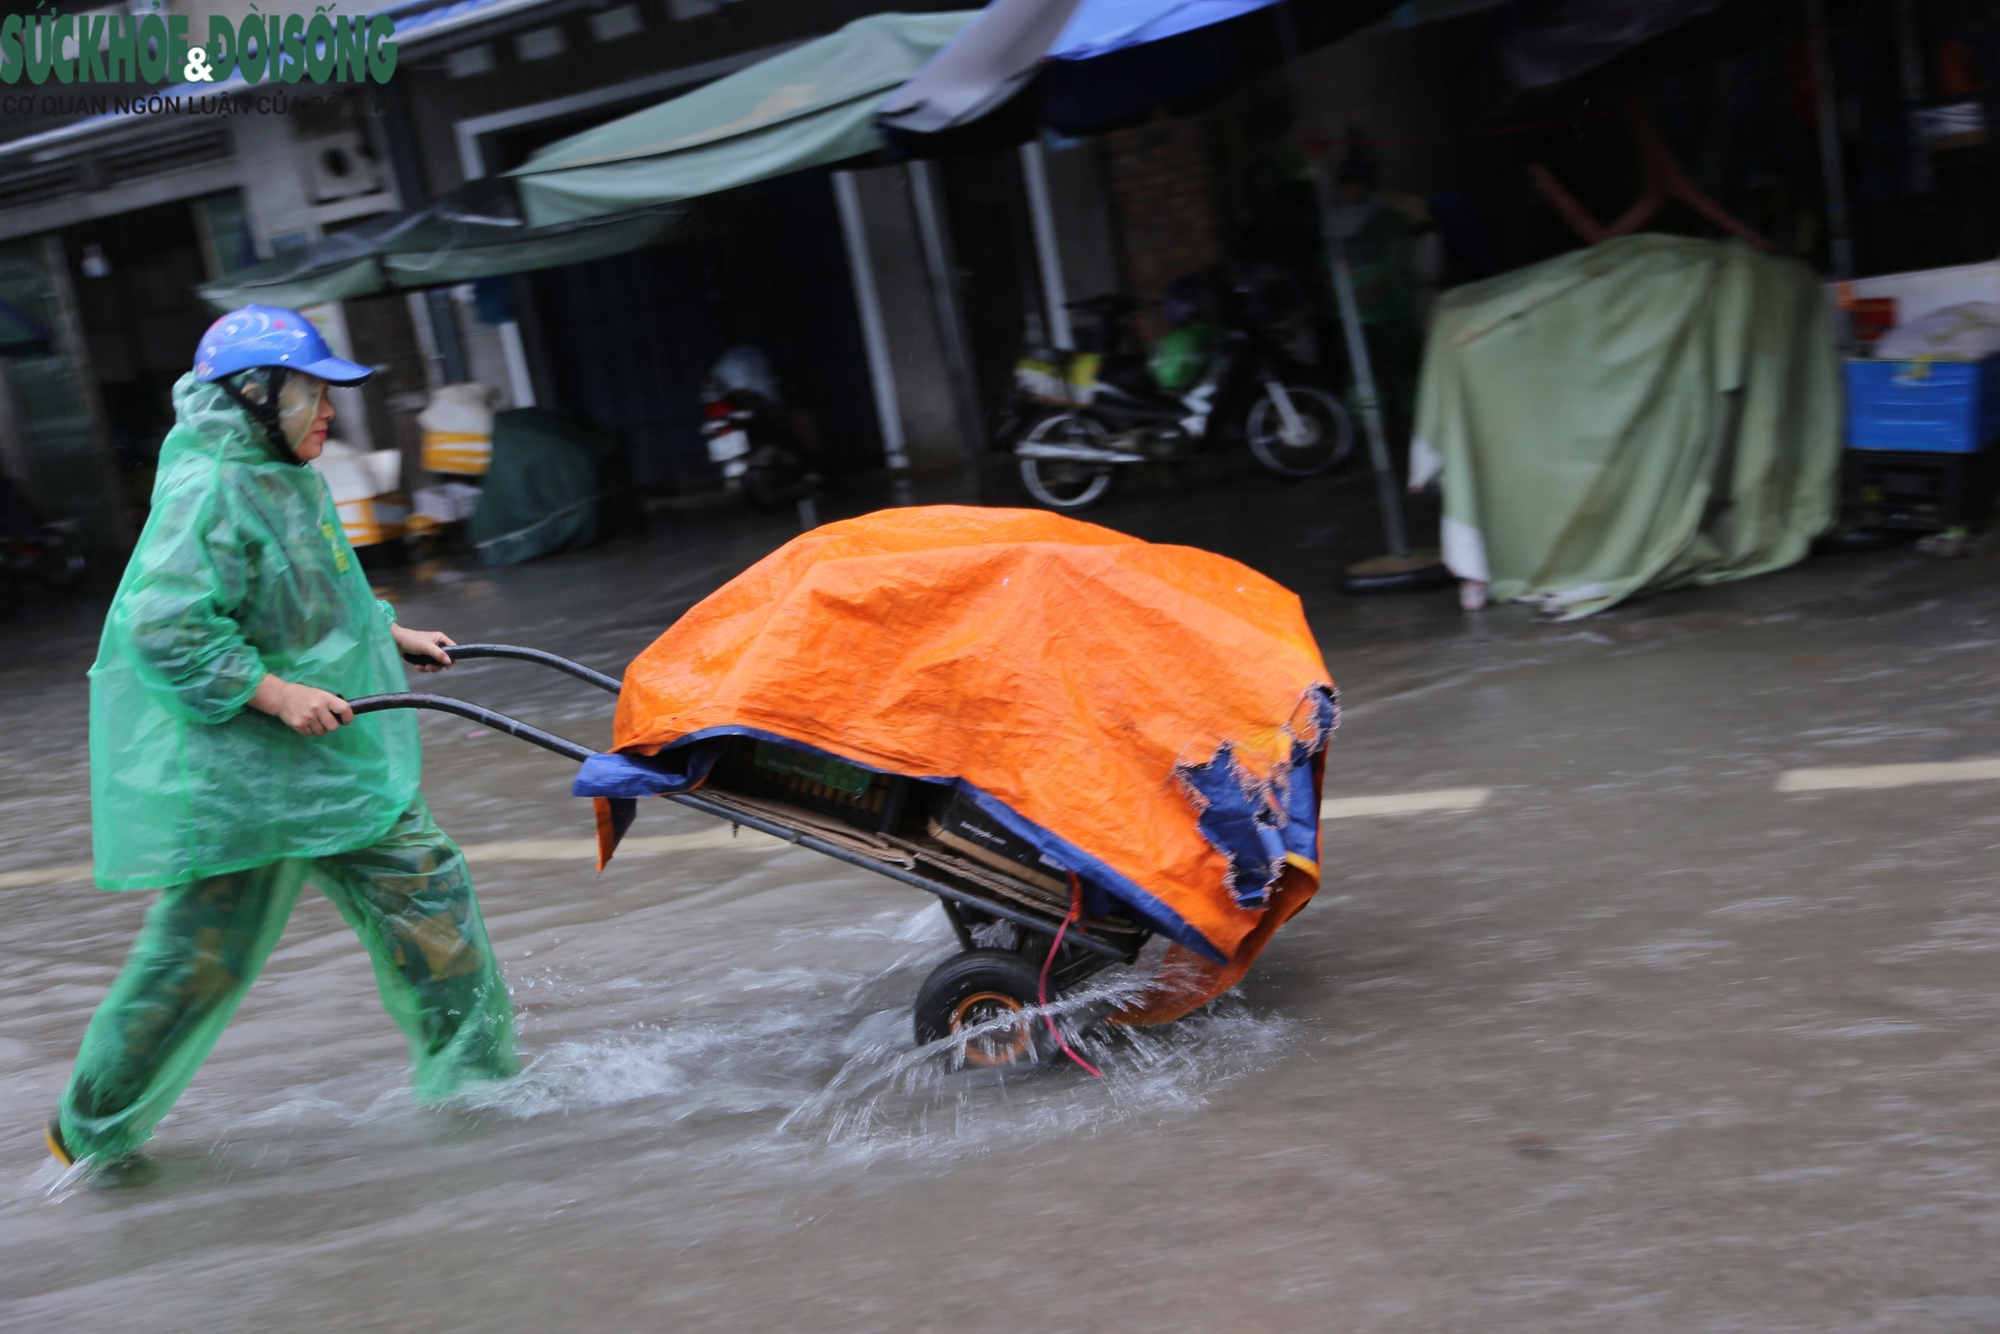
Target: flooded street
point(1640, 1041)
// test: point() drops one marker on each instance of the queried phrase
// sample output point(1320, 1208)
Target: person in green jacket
point(227, 769)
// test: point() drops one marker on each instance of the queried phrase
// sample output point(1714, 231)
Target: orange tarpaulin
point(1152, 717)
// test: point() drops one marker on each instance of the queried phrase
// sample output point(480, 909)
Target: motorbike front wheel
point(777, 477)
point(1322, 441)
point(1065, 484)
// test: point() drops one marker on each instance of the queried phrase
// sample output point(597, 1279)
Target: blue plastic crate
point(1938, 407)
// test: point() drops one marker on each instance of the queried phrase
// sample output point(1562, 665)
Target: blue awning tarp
point(1080, 66)
point(1099, 27)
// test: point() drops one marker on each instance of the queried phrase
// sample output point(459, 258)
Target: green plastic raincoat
point(408, 896)
point(242, 570)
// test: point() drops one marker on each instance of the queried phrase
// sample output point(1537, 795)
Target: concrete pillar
point(1080, 207)
point(927, 198)
point(932, 431)
point(14, 445)
point(874, 329)
point(1048, 249)
point(60, 411)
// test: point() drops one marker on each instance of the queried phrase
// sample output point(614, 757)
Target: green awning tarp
point(810, 106)
point(1649, 412)
point(430, 248)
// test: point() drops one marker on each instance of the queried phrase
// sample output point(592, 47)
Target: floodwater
point(1642, 1043)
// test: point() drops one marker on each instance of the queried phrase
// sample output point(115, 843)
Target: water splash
point(855, 1082)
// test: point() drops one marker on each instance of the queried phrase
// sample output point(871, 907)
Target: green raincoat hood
point(242, 570)
point(207, 423)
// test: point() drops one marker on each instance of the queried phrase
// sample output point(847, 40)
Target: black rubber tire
point(1072, 428)
point(1332, 427)
point(970, 974)
point(777, 477)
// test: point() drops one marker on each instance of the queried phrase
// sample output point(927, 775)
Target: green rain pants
point(409, 898)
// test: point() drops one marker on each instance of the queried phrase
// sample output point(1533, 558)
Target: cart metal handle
point(499, 722)
point(534, 655)
point(563, 746)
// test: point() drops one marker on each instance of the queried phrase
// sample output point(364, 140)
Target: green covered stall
point(556, 484)
point(1649, 412)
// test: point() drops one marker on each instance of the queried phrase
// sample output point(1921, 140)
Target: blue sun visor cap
point(270, 336)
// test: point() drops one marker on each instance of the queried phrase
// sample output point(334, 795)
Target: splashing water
point(836, 1070)
point(893, 1095)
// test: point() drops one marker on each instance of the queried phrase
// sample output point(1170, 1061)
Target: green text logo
point(154, 48)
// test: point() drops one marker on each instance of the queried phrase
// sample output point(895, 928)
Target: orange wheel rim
point(1001, 1047)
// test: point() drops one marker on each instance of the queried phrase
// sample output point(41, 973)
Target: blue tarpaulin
point(1086, 65)
point(1099, 27)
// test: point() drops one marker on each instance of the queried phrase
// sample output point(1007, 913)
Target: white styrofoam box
point(351, 475)
point(1922, 291)
point(450, 502)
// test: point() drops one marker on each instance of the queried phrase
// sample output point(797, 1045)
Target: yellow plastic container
point(458, 430)
point(374, 520)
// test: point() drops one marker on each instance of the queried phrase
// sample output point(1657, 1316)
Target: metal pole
point(874, 333)
point(444, 331)
point(1910, 70)
point(1364, 371)
point(944, 290)
point(1350, 310)
point(520, 384)
point(1055, 293)
point(1840, 245)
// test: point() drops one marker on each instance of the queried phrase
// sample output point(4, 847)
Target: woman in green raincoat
point(227, 769)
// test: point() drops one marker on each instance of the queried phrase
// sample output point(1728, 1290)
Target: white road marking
point(515, 850)
point(569, 849)
point(1405, 803)
point(749, 840)
point(44, 875)
point(1333, 808)
point(1888, 775)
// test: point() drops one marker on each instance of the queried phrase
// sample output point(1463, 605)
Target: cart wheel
point(975, 988)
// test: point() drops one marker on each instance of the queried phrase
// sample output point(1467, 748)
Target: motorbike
point(750, 435)
point(1075, 418)
point(33, 550)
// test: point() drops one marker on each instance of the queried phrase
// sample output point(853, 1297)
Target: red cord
point(1042, 992)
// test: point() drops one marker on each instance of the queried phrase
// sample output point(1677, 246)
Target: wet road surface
point(1642, 1042)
